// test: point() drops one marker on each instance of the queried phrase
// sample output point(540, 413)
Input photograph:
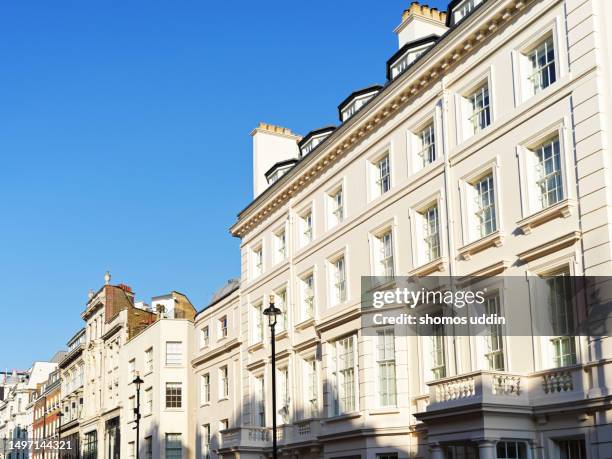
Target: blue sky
point(124, 139)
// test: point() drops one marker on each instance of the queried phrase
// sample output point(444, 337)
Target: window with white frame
point(280, 242)
point(383, 254)
point(494, 338)
point(478, 110)
point(259, 408)
point(174, 395)
point(546, 172)
point(385, 362)
point(283, 396)
point(338, 280)
point(174, 352)
point(148, 449)
point(462, 9)
point(257, 321)
point(383, 175)
point(205, 394)
point(281, 304)
point(204, 337)
point(307, 297)
point(428, 246)
point(223, 382)
point(508, 449)
point(132, 369)
point(306, 227)
point(206, 441)
point(148, 400)
point(344, 389)
point(426, 152)
point(438, 352)
point(387, 456)
point(223, 424)
point(311, 392)
point(562, 318)
point(131, 449)
point(257, 261)
point(484, 216)
point(148, 360)
point(336, 206)
point(222, 327)
point(174, 446)
point(542, 67)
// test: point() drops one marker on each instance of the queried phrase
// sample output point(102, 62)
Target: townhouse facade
point(484, 154)
point(46, 416)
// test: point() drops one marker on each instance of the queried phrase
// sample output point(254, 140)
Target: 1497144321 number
point(40, 444)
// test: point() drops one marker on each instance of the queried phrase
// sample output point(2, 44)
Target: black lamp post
point(272, 312)
point(137, 381)
point(60, 415)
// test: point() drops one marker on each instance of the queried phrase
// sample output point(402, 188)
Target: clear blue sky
point(124, 139)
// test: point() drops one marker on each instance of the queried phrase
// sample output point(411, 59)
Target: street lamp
point(137, 381)
point(272, 312)
point(60, 415)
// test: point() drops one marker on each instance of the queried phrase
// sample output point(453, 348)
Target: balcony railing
point(249, 437)
point(534, 389)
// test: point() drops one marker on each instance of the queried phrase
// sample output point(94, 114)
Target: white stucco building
point(485, 153)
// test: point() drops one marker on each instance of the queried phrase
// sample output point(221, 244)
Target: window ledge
point(438, 264)
point(342, 417)
point(495, 239)
point(562, 209)
point(305, 324)
point(386, 410)
point(280, 335)
point(255, 347)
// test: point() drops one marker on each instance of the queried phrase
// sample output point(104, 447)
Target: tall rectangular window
point(431, 233)
point(385, 360)
point(283, 395)
point(223, 327)
point(257, 313)
point(427, 145)
point(257, 255)
point(339, 281)
point(346, 363)
point(385, 254)
point(148, 447)
point(311, 392)
point(224, 382)
point(281, 304)
point(480, 109)
point(174, 395)
point(259, 399)
point(336, 199)
point(306, 227)
point(174, 353)
point(132, 369)
point(383, 180)
point(484, 206)
point(206, 441)
point(307, 297)
point(438, 359)
point(174, 446)
point(205, 395)
point(549, 182)
point(562, 315)
point(543, 71)
point(571, 449)
point(281, 245)
point(149, 400)
point(495, 337)
point(149, 360)
point(205, 337)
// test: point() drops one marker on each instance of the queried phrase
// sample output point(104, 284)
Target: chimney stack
point(271, 145)
point(420, 21)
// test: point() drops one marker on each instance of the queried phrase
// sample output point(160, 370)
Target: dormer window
point(278, 170)
point(355, 101)
point(407, 54)
point(462, 9)
point(311, 140)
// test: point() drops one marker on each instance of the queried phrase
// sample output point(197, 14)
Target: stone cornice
point(390, 100)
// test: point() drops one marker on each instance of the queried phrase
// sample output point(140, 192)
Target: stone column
point(435, 451)
point(486, 449)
